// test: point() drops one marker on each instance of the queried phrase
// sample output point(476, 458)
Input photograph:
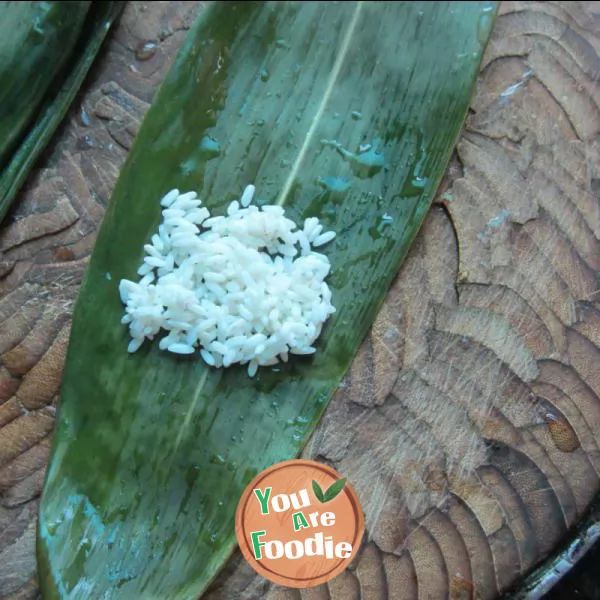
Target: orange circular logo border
point(243, 537)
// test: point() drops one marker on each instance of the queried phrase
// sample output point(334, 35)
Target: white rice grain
point(252, 368)
point(181, 349)
point(169, 198)
point(169, 213)
point(234, 287)
point(144, 269)
point(247, 196)
point(134, 344)
point(147, 279)
point(322, 239)
point(207, 356)
point(182, 199)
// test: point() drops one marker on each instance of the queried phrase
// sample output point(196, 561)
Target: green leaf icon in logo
point(318, 491)
point(335, 488)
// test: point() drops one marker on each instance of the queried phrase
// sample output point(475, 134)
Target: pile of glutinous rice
point(244, 288)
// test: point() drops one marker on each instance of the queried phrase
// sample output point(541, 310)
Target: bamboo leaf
point(318, 491)
point(349, 115)
point(46, 50)
point(334, 489)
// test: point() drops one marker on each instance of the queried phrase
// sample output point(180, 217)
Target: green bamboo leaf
point(349, 115)
point(318, 491)
point(37, 38)
point(46, 50)
point(334, 489)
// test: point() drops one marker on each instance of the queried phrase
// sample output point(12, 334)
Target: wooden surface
point(469, 423)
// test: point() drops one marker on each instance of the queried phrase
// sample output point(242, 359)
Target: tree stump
point(469, 423)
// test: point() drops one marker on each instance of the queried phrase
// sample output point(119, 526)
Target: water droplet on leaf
point(217, 459)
